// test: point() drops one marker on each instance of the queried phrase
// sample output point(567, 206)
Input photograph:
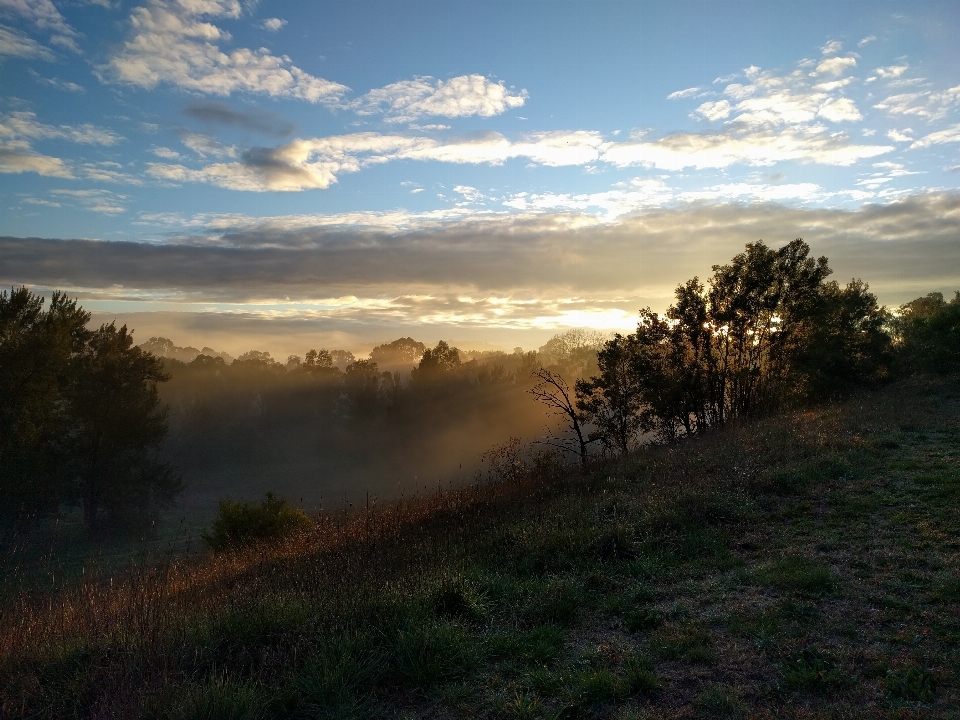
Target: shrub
point(810, 669)
point(910, 683)
point(239, 524)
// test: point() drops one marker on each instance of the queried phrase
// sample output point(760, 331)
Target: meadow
point(803, 565)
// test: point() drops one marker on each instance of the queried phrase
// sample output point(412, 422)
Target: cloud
point(640, 194)
point(900, 135)
point(771, 99)
point(95, 200)
point(166, 153)
point(832, 48)
point(40, 13)
point(173, 43)
point(43, 15)
point(714, 111)
point(867, 39)
point(811, 144)
point(59, 84)
point(835, 66)
point(925, 104)
point(840, 110)
point(948, 135)
point(18, 129)
point(463, 96)
point(254, 119)
point(16, 44)
point(40, 201)
point(273, 24)
point(204, 145)
point(683, 94)
point(18, 157)
point(315, 163)
point(518, 271)
point(892, 71)
point(24, 125)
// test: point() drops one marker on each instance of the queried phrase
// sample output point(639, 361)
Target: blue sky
point(337, 173)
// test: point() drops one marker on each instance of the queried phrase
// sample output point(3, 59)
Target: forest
point(92, 421)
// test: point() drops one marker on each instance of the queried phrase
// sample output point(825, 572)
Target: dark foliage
point(767, 331)
point(927, 332)
point(80, 419)
point(238, 524)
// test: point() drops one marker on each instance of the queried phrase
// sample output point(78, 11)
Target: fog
point(327, 429)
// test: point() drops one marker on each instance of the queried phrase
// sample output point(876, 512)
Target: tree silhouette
point(119, 425)
point(36, 348)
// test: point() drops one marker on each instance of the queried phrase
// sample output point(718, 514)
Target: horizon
point(280, 176)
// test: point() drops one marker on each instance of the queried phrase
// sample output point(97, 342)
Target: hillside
point(805, 566)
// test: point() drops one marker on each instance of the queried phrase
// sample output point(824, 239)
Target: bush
point(239, 524)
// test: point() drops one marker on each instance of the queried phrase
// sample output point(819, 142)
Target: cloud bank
point(530, 271)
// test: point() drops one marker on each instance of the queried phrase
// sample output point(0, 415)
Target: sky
point(286, 175)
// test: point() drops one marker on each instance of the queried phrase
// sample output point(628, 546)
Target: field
point(804, 566)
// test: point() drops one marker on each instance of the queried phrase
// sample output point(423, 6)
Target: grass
point(803, 567)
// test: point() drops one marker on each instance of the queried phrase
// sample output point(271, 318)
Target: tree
point(847, 346)
point(36, 348)
point(766, 331)
point(361, 381)
point(405, 351)
point(437, 362)
point(927, 334)
point(613, 400)
point(553, 391)
point(573, 352)
point(118, 427)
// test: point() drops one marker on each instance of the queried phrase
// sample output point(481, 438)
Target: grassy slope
point(805, 567)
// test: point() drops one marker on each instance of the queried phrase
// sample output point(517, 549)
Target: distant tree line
point(80, 419)
point(767, 331)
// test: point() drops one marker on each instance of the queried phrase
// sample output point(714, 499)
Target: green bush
point(239, 524)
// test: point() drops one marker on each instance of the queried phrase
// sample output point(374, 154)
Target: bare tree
point(554, 392)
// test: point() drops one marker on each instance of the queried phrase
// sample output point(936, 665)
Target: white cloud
point(204, 145)
point(771, 100)
point(60, 84)
point(173, 43)
point(166, 153)
point(805, 144)
point(24, 124)
point(891, 71)
point(867, 39)
point(835, 66)
point(682, 94)
point(713, 111)
point(43, 15)
point(95, 200)
point(893, 169)
point(900, 135)
point(948, 135)
point(428, 128)
point(924, 104)
point(463, 96)
point(832, 48)
point(273, 24)
point(18, 157)
point(40, 201)
point(840, 110)
point(806, 192)
point(642, 194)
point(16, 44)
point(108, 172)
point(315, 163)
